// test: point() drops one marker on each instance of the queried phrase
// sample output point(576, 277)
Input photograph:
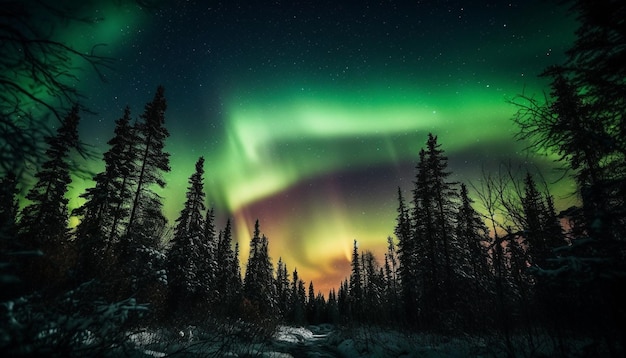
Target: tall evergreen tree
point(235, 284)
point(152, 162)
point(298, 299)
point(373, 286)
point(356, 284)
point(259, 280)
point(534, 212)
point(427, 252)
point(444, 195)
point(140, 252)
point(311, 305)
point(473, 237)
point(343, 301)
point(106, 203)
point(282, 287)
point(207, 261)
point(43, 223)
point(187, 251)
point(408, 260)
point(224, 257)
point(226, 284)
point(392, 284)
point(434, 203)
point(333, 307)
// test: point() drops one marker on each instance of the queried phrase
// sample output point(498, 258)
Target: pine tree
point(407, 259)
point(251, 279)
point(188, 245)
point(207, 261)
point(259, 282)
point(152, 161)
point(298, 299)
point(343, 301)
point(311, 305)
point(392, 284)
point(584, 123)
point(224, 259)
point(321, 309)
point(373, 285)
point(444, 195)
point(332, 307)
point(140, 252)
point(541, 232)
point(124, 154)
point(235, 290)
point(282, 287)
point(433, 217)
point(45, 220)
point(425, 283)
point(472, 235)
point(106, 203)
point(43, 223)
point(356, 284)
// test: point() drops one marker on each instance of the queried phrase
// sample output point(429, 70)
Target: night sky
point(310, 116)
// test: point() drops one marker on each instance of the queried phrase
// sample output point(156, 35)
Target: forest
point(505, 265)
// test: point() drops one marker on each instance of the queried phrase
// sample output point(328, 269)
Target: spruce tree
point(187, 251)
point(223, 258)
point(106, 203)
point(332, 307)
point(139, 251)
point(152, 162)
point(227, 287)
point(259, 280)
point(373, 285)
point(427, 249)
point(392, 284)
point(473, 236)
point(282, 287)
point(444, 195)
point(343, 301)
point(207, 264)
point(311, 305)
point(356, 284)
point(43, 223)
point(298, 299)
point(408, 260)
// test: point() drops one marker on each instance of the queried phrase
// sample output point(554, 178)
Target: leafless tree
point(39, 74)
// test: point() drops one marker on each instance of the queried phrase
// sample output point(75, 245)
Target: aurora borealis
point(310, 115)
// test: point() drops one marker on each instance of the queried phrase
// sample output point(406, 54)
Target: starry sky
point(310, 114)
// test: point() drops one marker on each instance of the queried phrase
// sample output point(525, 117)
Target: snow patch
point(293, 334)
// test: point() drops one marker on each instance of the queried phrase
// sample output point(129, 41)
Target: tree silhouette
point(283, 292)
point(107, 203)
point(259, 281)
point(152, 162)
point(139, 251)
point(43, 223)
point(186, 253)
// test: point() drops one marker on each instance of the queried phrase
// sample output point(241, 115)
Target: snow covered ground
point(329, 341)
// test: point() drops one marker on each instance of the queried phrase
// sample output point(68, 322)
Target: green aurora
point(315, 143)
